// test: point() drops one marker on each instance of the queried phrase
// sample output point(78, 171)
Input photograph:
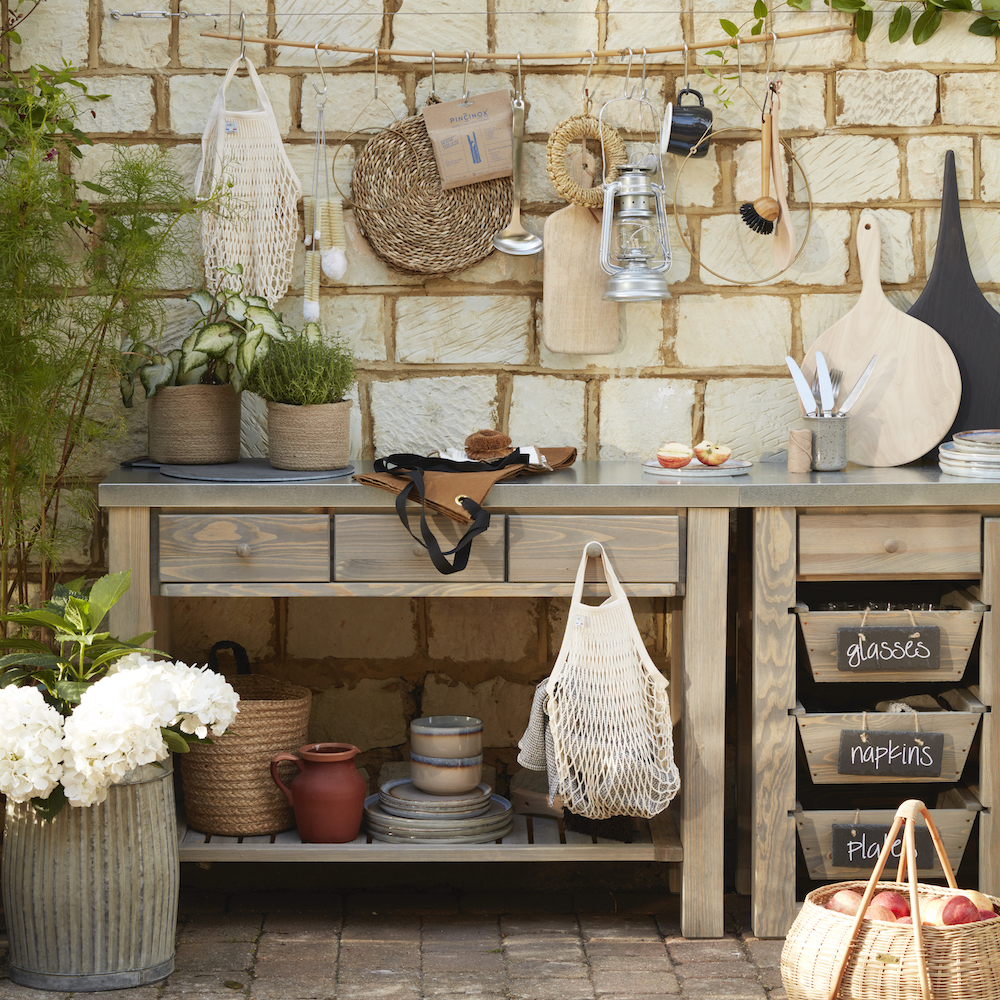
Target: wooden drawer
point(547, 548)
point(377, 548)
point(206, 548)
point(889, 546)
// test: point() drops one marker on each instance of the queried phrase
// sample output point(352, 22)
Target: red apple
point(674, 455)
point(710, 453)
point(845, 901)
point(947, 911)
point(904, 920)
point(894, 901)
point(879, 913)
point(979, 898)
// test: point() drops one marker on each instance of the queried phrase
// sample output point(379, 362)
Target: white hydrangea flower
point(205, 699)
point(115, 728)
point(31, 750)
point(130, 661)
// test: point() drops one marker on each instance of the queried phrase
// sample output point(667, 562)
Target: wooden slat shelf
point(533, 838)
point(435, 589)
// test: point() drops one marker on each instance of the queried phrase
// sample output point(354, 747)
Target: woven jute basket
point(194, 425)
point(409, 221)
point(309, 437)
point(829, 954)
point(228, 788)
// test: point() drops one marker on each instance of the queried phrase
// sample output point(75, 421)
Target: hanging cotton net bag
point(253, 222)
point(608, 712)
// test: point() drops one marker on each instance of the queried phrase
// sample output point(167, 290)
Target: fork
point(835, 377)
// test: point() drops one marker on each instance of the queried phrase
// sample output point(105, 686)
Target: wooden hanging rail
point(533, 56)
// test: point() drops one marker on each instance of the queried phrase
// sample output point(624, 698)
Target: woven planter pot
point(194, 425)
point(228, 789)
point(304, 438)
point(91, 897)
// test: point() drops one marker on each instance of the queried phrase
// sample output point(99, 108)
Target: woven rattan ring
point(582, 127)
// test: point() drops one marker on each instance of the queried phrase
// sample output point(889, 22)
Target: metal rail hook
point(586, 80)
point(320, 92)
point(739, 64)
point(376, 72)
point(433, 77)
point(243, 44)
point(519, 100)
point(642, 85)
point(626, 93)
point(686, 84)
point(465, 79)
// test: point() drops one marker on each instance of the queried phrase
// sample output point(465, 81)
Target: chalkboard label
point(858, 845)
point(893, 754)
point(888, 647)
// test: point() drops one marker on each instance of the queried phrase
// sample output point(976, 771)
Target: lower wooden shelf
point(533, 838)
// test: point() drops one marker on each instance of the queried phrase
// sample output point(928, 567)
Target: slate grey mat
point(249, 470)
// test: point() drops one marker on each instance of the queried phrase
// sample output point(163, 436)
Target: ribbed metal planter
point(91, 897)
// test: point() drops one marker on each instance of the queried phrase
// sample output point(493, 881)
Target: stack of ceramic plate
point(972, 455)
point(493, 824)
point(402, 798)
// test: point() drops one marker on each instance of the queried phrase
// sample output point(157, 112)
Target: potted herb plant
point(305, 380)
point(194, 390)
point(90, 721)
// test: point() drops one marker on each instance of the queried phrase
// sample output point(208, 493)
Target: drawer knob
point(891, 545)
point(244, 551)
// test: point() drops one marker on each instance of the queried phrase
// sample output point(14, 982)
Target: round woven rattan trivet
point(410, 222)
point(579, 127)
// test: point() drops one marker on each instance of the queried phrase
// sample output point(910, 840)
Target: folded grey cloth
point(537, 752)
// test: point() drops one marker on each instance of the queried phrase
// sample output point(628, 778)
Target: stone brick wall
point(440, 357)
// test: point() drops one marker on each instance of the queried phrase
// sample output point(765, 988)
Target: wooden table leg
point(703, 721)
point(772, 824)
point(128, 549)
point(989, 694)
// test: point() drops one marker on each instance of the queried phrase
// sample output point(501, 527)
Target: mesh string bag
point(608, 712)
point(255, 221)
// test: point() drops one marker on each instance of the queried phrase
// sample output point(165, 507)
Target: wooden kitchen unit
point(335, 537)
point(811, 546)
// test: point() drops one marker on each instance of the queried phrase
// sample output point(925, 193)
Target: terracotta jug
point(328, 793)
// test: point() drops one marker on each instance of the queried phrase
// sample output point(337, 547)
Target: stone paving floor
point(406, 945)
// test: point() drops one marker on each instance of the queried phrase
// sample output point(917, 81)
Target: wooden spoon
point(784, 234)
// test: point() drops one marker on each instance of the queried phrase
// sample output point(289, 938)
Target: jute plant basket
point(228, 789)
point(194, 425)
point(831, 955)
point(309, 437)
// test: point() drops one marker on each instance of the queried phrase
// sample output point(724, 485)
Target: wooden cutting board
point(913, 394)
point(952, 304)
point(576, 319)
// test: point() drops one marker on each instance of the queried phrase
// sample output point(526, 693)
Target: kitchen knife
point(825, 385)
point(805, 393)
point(858, 386)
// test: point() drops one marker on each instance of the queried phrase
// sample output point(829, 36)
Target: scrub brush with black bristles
point(760, 214)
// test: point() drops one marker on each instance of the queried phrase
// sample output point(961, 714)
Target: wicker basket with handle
point(829, 954)
point(228, 789)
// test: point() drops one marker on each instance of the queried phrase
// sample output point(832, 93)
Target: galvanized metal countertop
point(585, 486)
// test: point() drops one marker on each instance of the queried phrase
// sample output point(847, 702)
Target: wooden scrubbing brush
point(760, 214)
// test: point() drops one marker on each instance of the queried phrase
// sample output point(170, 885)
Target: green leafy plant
point(304, 370)
point(234, 330)
point(82, 652)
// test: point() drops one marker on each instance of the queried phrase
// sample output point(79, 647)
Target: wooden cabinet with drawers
point(338, 538)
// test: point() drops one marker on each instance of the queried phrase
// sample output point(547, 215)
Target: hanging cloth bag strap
point(609, 713)
point(413, 467)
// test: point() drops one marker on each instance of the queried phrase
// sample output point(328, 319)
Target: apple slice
point(710, 453)
point(674, 455)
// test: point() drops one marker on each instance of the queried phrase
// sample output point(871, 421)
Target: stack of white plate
point(402, 798)
point(971, 455)
point(492, 824)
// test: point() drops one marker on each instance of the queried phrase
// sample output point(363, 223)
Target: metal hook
point(739, 64)
point(643, 83)
point(376, 72)
point(465, 78)
point(322, 72)
point(586, 79)
point(686, 66)
point(626, 93)
point(433, 77)
point(520, 88)
point(243, 44)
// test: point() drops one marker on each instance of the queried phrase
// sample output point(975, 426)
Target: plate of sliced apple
point(707, 458)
